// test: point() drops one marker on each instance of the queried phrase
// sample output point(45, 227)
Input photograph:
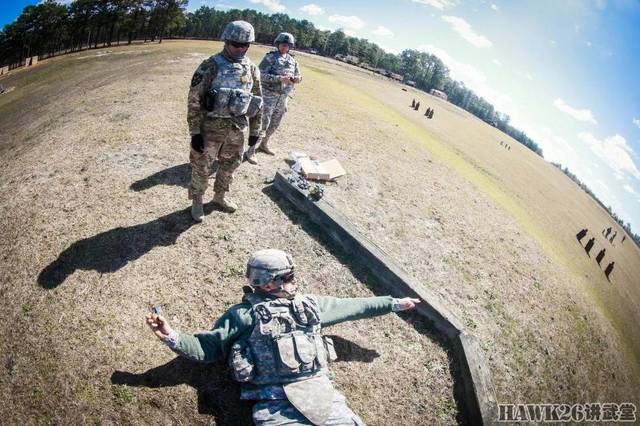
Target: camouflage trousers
point(275, 105)
point(224, 141)
point(279, 412)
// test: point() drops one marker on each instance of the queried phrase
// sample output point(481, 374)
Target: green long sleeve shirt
point(214, 345)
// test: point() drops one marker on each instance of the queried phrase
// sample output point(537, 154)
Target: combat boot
point(265, 148)
point(197, 211)
point(250, 154)
point(224, 203)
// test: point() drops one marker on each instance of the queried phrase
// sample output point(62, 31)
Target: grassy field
point(94, 147)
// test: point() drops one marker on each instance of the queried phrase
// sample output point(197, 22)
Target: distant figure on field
point(501, 143)
point(609, 269)
point(600, 255)
point(413, 103)
point(431, 114)
point(580, 235)
point(509, 147)
point(606, 232)
point(624, 237)
point(615, 233)
point(417, 107)
point(587, 247)
point(1, 88)
point(426, 113)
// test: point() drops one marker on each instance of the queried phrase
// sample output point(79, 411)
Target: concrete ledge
point(479, 395)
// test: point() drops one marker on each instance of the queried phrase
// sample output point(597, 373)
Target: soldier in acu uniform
point(279, 72)
point(274, 346)
point(224, 103)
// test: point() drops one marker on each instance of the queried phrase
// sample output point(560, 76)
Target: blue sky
point(565, 71)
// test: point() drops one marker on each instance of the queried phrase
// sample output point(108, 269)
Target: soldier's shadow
point(218, 393)
point(113, 249)
point(173, 176)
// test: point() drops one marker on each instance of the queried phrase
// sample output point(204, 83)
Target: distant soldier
point(600, 255)
point(413, 103)
point(225, 100)
point(279, 73)
point(431, 114)
point(589, 244)
point(615, 233)
point(417, 107)
point(580, 235)
point(606, 232)
point(609, 269)
point(274, 345)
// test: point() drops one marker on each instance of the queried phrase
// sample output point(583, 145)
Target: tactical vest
point(280, 65)
point(285, 344)
point(229, 94)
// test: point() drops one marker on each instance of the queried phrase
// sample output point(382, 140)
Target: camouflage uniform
point(223, 135)
point(276, 94)
point(231, 336)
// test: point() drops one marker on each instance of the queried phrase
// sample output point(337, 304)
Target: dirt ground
point(95, 229)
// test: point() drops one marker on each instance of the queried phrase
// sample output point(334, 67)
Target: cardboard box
point(326, 170)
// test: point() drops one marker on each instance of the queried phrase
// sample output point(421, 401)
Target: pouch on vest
point(286, 352)
point(239, 102)
point(241, 362)
point(305, 348)
point(254, 106)
point(217, 101)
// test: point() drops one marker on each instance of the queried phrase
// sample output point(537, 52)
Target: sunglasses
point(288, 277)
point(239, 45)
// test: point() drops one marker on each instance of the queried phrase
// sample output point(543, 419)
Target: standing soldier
point(279, 73)
point(225, 100)
point(274, 346)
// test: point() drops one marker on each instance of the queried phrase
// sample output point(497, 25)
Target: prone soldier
point(274, 346)
point(224, 104)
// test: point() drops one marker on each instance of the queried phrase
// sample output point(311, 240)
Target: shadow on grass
point(113, 249)
point(218, 393)
point(360, 271)
point(175, 176)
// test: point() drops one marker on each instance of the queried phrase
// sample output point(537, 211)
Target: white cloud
point(223, 6)
point(630, 190)
point(615, 152)
point(351, 22)
point(465, 31)
point(584, 115)
point(438, 4)
point(272, 5)
point(472, 78)
point(497, 62)
point(383, 31)
point(495, 7)
point(312, 9)
point(636, 121)
point(589, 44)
point(350, 33)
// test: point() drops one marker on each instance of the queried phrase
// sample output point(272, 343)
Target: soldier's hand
point(197, 143)
point(285, 79)
point(407, 303)
point(159, 325)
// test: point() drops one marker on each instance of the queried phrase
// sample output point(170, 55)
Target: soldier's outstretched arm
point(255, 122)
point(199, 82)
point(206, 346)
point(334, 310)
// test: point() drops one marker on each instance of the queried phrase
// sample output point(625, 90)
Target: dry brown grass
point(94, 149)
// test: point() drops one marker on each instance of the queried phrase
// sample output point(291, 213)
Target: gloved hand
point(197, 143)
point(253, 140)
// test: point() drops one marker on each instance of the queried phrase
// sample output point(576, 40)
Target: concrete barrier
point(479, 402)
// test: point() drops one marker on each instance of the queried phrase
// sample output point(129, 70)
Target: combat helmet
point(284, 38)
point(238, 31)
point(268, 265)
